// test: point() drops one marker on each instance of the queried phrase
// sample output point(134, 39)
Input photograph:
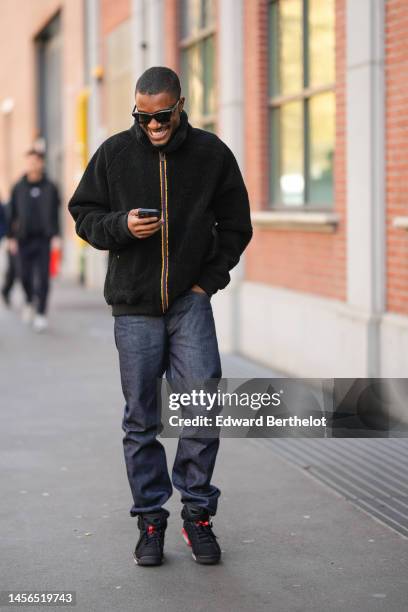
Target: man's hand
point(12, 246)
point(143, 228)
point(197, 289)
point(56, 243)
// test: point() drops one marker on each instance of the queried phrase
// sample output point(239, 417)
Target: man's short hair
point(39, 154)
point(159, 79)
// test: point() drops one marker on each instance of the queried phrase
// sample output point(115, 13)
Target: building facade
point(311, 97)
point(41, 73)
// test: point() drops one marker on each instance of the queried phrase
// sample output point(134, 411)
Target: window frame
point(304, 95)
point(184, 44)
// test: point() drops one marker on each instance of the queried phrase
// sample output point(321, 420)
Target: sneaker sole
point(206, 560)
point(147, 561)
point(185, 537)
point(198, 559)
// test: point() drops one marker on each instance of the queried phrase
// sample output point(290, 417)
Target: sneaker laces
point(204, 531)
point(152, 532)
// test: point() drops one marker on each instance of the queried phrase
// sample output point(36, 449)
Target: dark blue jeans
point(180, 344)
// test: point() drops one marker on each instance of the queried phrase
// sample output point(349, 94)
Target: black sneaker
point(197, 532)
point(149, 549)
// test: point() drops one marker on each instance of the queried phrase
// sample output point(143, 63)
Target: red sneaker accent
point(185, 536)
point(203, 523)
point(151, 529)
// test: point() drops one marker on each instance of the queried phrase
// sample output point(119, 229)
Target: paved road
point(290, 543)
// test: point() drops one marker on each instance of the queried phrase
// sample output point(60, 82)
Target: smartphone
point(149, 212)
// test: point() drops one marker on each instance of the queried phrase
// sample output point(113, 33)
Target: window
point(301, 102)
point(197, 61)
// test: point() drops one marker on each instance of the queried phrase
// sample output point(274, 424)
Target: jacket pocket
point(214, 244)
point(133, 273)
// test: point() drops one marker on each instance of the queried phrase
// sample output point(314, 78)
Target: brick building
point(312, 99)
point(41, 73)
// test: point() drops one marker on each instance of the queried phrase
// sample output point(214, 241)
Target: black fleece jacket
point(196, 183)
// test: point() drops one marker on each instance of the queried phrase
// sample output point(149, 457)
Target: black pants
point(11, 273)
point(34, 256)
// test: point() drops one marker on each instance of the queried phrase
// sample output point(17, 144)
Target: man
point(33, 231)
point(161, 275)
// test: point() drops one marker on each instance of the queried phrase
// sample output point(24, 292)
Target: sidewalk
point(290, 543)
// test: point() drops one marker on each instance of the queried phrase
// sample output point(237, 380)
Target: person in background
point(11, 272)
point(33, 231)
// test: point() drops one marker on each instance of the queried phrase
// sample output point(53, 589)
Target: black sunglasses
point(162, 116)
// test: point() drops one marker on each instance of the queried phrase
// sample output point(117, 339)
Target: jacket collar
point(175, 141)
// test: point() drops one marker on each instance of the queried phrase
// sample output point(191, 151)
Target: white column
point(155, 32)
point(366, 168)
point(95, 132)
point(95, 261)
point(147, 35)
point(139, 44)
point(230, 93)
point(231, 68)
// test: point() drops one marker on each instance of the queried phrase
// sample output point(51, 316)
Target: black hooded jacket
point(34, 209)
point(196, 183)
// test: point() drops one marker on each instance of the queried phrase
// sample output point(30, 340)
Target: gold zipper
point(164, 233)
